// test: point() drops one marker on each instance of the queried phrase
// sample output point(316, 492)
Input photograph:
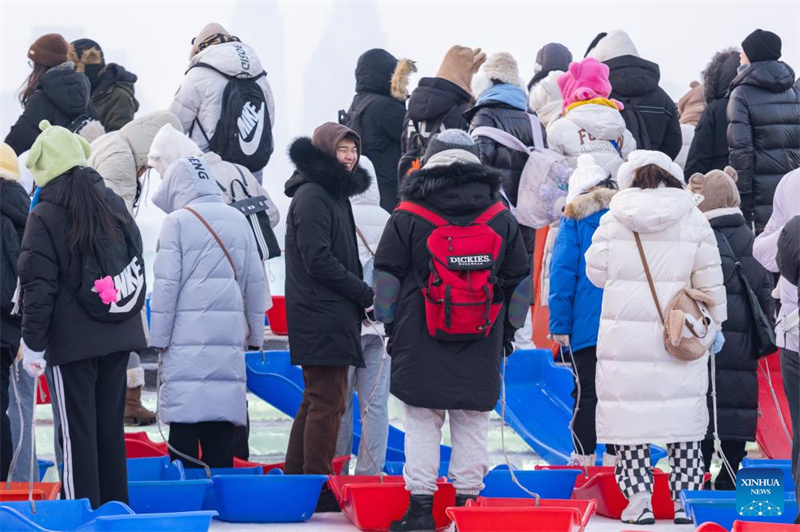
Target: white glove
point(561, 339)
point(32, 361)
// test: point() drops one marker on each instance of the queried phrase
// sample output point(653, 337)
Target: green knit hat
point(55, 151)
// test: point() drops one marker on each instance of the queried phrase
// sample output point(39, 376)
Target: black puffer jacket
point(60, 97)
point(709, 149)
point(52, 319)
point(650, 114)
point(737, 363)
point(788, 256)
point(113, 97)
point(763, 134)
point(377, 116)
point(429, 373)
point(325, 294)
point(14, 206)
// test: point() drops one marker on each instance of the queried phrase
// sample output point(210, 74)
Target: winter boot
point(419, 516)
point(582, 460)
point(609, 460)
point(136, 415)
point(461, 500)
point(327, 502)
point(638, 511)
point(680, 515)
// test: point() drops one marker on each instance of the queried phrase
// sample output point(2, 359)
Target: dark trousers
point(91, 402)
point(584, 439)
point(215, 438)
point(734, 453)
point(790, 369)
point(6, 449)
point(312, 442)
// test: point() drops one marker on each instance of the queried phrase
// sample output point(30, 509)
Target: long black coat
point(650, 114)
point(763, 134)
point(429, 373)
point(325, 294)
point(380, 125)
point(14, 206)
point(60, 97)
point(737, 363)
point(52, 319)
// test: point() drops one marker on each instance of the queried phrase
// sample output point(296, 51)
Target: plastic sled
point(710, 527)
point(210, 501)
point(139, 445)
point(396, 468)
point(338, 464)
point(157, 468)
point(372, 505)
point(78, 516)
point(770, 433)
point(273, 498)
point(156, 485)
point(277, 316)
point(44, 465)
point(784, 465)
point(548, 484)
point(476, 519)
point(720, 507)
point(749, 526)
point(18, 491)
point(586, 508)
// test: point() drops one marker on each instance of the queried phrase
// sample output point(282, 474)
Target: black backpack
point(244, 130)
point(122, 262)
point(352, 118)
point(418, 139)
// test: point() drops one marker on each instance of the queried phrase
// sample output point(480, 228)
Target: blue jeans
point(22, 468)
point(790, 368)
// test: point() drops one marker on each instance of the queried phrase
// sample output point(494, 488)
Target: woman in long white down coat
point(644, 394)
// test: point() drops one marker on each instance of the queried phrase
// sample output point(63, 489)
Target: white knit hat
point(587, 175)
point(639, 158)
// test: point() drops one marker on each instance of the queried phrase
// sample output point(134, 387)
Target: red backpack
point(459, 295)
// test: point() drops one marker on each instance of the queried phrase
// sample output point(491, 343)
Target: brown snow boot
point(136, 415)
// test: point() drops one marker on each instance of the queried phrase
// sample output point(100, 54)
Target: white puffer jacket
point(200, 94)
point(545, 99)
point(590, 128)
point(118, 155)
point(644, 394)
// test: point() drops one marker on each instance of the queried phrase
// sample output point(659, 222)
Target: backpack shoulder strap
point(647, 274)
point(498, 135)
point(490, 213)
point(536, 130)
point(420, 211)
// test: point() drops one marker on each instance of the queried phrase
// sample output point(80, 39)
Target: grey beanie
point(450, 139)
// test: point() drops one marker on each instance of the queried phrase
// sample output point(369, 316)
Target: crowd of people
point(672, 259)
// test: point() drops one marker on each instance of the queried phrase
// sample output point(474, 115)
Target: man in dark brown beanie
point(49, 50)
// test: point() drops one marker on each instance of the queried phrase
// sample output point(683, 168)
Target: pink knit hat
point(585, 80)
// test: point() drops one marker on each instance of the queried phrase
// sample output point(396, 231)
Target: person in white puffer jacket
point(644, 394)
point(592, 122)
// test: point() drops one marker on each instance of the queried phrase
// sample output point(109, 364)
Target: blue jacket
point(575, 302)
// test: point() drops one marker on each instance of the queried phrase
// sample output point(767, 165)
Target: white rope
point(14, 380)
point(768, 376)
point(574, 370)
point(717, 441)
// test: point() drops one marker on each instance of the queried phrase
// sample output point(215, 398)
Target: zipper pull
point(450, 243)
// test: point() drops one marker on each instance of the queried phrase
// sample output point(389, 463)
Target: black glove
point(508, 344)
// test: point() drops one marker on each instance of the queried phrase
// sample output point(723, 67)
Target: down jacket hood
point(316, 166)
point(232, 58)
point(69, 90)
point(457, 189)
point(616, 43)
point(374, 72)
point(600, 121)
point(186, 181)
point(545, 98)
point(434, 97)
point(141, 132)
point(168, 146)
point(115, 74)
point(651, 210)
point(719, 73)
point(775, 76)
point(633, 76)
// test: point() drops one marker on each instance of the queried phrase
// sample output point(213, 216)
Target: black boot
point(461, 500)
point(327, 501)
point(419, 516)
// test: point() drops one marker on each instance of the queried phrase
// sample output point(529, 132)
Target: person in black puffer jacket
point(437, 104)
point(88, 353)
point(377, 112)
point(763, 124)
point(737, 363)
point(709, 149)
point(650, 114)
point(54, 91)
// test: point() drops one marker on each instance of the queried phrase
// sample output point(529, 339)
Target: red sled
point(773, 420)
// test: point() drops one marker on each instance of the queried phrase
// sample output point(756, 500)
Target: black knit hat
point(450, 139)
point(762, 45)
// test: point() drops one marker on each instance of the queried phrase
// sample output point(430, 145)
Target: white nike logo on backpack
point(250, 119)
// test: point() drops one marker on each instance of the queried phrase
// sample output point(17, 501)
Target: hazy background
point(309, 49)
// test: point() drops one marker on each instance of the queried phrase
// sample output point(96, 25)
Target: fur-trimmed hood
point(719, 73)
point(316, 166)
point(457, 189)
point(589, 203)
point(380, 72)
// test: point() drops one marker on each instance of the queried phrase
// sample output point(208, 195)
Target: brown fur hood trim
point(403, 70)
point(587, 204)
point(91, 56)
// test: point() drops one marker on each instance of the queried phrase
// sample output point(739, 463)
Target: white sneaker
point(582, 460)
point(609, 460)
point(638, 511)
point(680, 515)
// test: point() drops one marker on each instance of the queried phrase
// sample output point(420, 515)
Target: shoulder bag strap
point(536, 130)
point(502, 137)
point(649, 277)
point(364, 240)
point(217, 238)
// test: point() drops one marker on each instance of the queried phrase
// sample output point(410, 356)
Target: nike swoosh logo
point(249, 147)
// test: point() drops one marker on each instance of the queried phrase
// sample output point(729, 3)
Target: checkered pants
point(634, 474)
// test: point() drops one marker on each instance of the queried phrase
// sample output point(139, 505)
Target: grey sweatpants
point(375, 425)
point(22, 469)
point(469, 462)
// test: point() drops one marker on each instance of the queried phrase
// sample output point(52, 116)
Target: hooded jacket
point(377, 112)
point(204, 310)
point(591, 128)
point(545, 98)
point(709, 148)
point(763, 134)
point(650, 114)
point(14, 207)
point(325, 293)
point(199, 98)
point(574, 301)
point(117, 156)
point(60, 97)
point(644, 394)
point(737, 363)
point(169, 145)
point(428, 373)
point(52, 319)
